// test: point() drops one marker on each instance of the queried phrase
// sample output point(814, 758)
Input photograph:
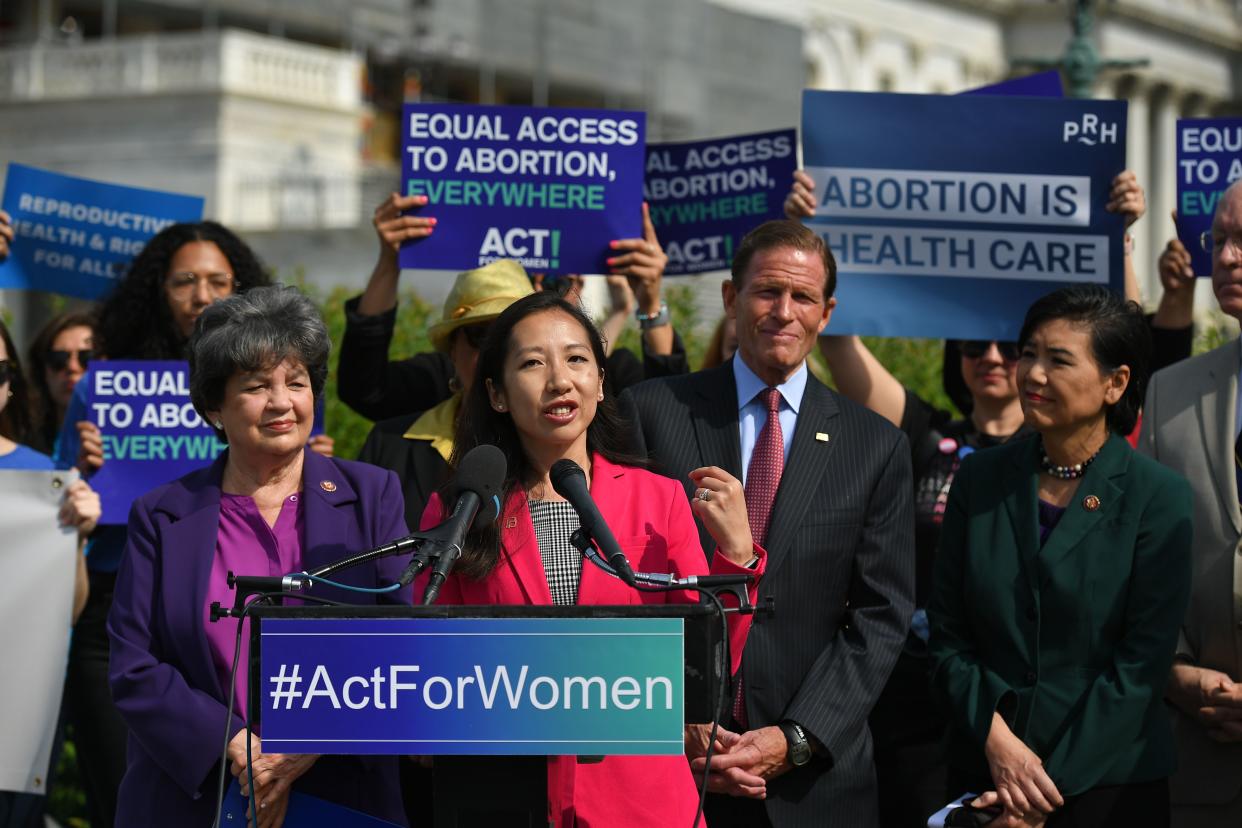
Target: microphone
point(476, 492)
point(569, 481)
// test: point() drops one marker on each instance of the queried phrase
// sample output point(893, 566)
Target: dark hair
point(46, 419)
point(1119, 336)
point(15, 418)
point(479, 423)
point(784, 233)
point(135, 321)
point(251, 331)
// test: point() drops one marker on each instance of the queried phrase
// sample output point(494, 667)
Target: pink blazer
point(651, 519)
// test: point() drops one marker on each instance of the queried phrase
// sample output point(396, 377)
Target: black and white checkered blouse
point(555, 521)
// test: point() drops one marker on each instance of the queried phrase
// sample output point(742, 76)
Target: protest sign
point(705, 195)
point(76, 236)
point(1209, 159)
point(39, 558)
point(949, 215)
point(547, 187)
point(151, 432)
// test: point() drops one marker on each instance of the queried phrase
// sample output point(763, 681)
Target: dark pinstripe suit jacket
point(840, 571)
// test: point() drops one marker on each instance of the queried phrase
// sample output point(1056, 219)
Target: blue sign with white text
point(76, 236)
point(150, 432)
point(1039, 85)
point(547, 187)
point(1209, 159)
point(705, 195)
point(949, 215)
point(472, 686)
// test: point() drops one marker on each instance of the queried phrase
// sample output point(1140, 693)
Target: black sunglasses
point(975, 348)
point(7, 371)
point(59, 360)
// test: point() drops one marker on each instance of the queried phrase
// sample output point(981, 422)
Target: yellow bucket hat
point(480, 295)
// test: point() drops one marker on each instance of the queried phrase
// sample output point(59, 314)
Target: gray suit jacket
point(1188, 425)
point(840, 573)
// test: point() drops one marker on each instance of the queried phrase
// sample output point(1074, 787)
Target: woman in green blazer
point(1061, 582)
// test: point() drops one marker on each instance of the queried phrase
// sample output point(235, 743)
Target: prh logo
point(533, 247)
point(1090, 131)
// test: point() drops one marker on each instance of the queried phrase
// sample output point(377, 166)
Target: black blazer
point(419, 466)
point(840, 574)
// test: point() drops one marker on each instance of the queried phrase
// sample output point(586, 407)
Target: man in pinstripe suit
point(839, 537)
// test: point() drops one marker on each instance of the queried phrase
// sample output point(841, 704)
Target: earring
point(454, 384)
point(500, 406)
point(219, 425)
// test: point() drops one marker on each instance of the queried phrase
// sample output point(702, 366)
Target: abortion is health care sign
point(950, 215)
point(705, 195)
point(474, 686)
point(76, 236)
point(151, 432)
point(547, 187)
point(1209, 159)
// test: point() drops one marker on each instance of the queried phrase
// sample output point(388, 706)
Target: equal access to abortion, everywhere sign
point(705, 195)
point(1209, 159)
point(547, 187)
point(151, 432)
point(949, 215)
point(474, 686)
point(76, 236)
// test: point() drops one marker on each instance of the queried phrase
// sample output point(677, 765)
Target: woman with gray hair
point(267, 506)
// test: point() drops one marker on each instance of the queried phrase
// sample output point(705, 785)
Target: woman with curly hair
point(149, 315)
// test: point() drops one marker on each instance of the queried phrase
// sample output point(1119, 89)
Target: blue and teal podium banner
point(1209, 159)
point(705, 195)
point(77, 236)
point(472, 686)
point(950, 215)
point(547, 187)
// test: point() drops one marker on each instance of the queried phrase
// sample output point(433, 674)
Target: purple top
point(246, 545)
point(1049, 517)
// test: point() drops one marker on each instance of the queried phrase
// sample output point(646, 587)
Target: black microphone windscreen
point(561, 471)
point(482, 471)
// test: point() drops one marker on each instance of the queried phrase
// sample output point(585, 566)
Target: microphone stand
point(426, 549)
point(717, 585)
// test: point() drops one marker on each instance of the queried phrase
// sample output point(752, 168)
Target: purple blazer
point(161, 672)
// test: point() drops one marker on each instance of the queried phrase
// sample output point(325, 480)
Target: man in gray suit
point(1191, 422)
point(828, 493)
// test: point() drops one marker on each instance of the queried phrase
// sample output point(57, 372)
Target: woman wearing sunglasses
point(80, 509)
point(59, 356)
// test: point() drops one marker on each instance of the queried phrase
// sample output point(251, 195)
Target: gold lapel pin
point(821, 436)
point(1091, 503)
point(511, 523)
point(327, 485)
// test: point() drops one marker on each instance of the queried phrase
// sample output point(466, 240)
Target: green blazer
point(1071, 643)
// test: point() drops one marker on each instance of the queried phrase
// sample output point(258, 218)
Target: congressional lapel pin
point(1091, 503)
point(511, 522)
point(327, 485)
point(821, 436)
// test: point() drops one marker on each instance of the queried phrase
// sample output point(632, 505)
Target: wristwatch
point(799, 747)
point(653, 320)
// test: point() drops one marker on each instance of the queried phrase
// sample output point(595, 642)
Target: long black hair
point(135, 321)
point(480, 423)
point(1119, 336)
point(15, 418)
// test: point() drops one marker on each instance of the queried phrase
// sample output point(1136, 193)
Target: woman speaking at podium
point(539, 396)
point(267, 506)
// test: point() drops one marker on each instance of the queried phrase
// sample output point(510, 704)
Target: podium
point(489, 691)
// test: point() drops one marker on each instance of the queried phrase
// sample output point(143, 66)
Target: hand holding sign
point(81, 507)
point(641, 262)
point(800, 203)
point(90, 448)
point(1127, 198)
point(394, 226)
point(6, 234)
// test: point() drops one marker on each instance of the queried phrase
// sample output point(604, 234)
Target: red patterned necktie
point(763, 477)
